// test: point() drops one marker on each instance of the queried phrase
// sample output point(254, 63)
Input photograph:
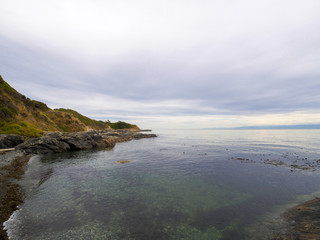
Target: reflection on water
point(181, 185)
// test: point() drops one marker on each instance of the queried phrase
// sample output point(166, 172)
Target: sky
point(167, 63)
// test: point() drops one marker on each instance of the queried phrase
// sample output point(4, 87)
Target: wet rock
point(274, 162)
point(303, 167)
point(141, 135)
point(44, 145)
point(10, 192)
point(57, 142)
point(10, 140)
point(304, 221)
point(124, 161)
point(243, 160)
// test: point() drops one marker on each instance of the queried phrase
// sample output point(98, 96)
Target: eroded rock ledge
point(57, 142)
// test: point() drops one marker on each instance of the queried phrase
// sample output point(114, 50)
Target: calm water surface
point(204, 184)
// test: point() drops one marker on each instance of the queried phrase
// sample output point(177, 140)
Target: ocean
point(184, 184)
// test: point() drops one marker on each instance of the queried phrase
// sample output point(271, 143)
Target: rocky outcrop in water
point(57, 142)
point(304, 221)
point(10, 140)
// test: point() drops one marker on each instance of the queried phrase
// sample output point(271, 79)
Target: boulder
point(58, 142)
point(10, 140)
point(43, 145)
point(141, 135)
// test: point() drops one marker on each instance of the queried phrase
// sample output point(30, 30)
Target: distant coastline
point(298, 126)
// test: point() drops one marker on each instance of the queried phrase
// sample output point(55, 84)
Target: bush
point(120, 125)
point(21, 128)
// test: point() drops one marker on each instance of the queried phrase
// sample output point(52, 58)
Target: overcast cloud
point(178, 62)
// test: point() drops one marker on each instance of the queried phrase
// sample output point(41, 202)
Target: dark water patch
point(44, 176)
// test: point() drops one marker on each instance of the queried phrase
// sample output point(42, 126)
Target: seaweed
point(12, 196)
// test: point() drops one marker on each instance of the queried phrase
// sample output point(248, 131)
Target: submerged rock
point(304, 221)
point(57, 142)
point(124, 161)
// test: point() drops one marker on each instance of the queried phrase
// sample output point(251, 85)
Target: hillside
point(21, 115)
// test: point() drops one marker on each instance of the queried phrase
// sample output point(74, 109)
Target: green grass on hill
point(87, 121)
point(21, 128)
point(21, 115)
point(121, 125)
point(97, 124)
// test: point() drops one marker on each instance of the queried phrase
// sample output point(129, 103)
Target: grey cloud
point(227, 58)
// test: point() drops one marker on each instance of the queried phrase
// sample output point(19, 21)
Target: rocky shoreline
point(57, 142)
point(303, 221)
point(11, 171)
point(12, 164)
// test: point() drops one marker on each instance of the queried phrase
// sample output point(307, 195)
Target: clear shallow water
point(182, 185)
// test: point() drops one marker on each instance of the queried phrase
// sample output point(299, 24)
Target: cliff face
point(21, 115)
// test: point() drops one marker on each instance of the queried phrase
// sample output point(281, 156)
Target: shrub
point(22, 128)
point(120, 125)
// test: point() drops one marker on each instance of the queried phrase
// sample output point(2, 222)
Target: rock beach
point(11, 170)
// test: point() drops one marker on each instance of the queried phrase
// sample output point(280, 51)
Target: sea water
point(184, 184)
